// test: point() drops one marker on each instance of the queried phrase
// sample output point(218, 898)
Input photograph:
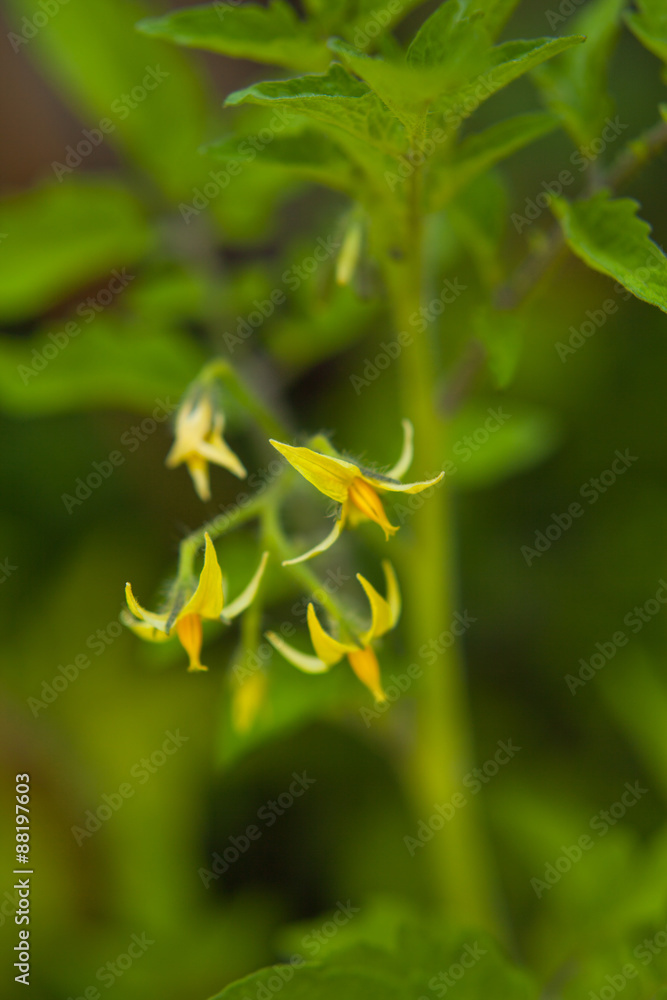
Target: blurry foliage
point(203, 245)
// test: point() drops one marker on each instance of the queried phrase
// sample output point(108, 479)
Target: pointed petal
point(405, 460)
point(365, 499)
point(365, 665)
point(331, 476)
point(218, 451)
point(309, 664)
point(384, 483)
point(143, 629)
point(207, 599)
point(247, 596)
point(382, 616)
point(189, 631)
point(156, 621)
point(328, 649)
point(193, 422)
point(198, 469)
point(393, 591)
point(322, 547)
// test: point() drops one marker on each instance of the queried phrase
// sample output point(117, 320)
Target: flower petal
point(207, 599)
point(405, 460)
point(198, 469)
point(393, 591)
point(193, 422)
point(328, 649)
point(143, 629)
point(247, 596)
point(365, 664)
point(384, 483)
point(331, 476)
point(365, 499)
point(323, 546)
point(382, 613)
point(309, 664)
point(216, 450)
point(189, 631)
point(154, 620)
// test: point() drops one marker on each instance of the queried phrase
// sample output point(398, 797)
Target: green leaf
point(108, 363)
point(337, 102)
point(478, 216)
point(607, 235)
point(496, 13)
point(575, 87)
point(477, 153)
point(309, 157)
point(447, 39)
point(59, 238)
point(272, 34)
point(649, 25)
point(492, 443)
point(504, 63)
point(151, 102)
point(362, 970)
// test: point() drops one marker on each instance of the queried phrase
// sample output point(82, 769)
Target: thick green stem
point(442, 752)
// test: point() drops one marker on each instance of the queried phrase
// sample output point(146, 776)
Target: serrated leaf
point(362, 970)
point(649, 25)
point(154, 104)
point(61, 237)
point(336, 101)
point(309, 157)
point(575, 87)
point(272, 34)
point(504, 63)
point(447, 38)
point(477, 153)
point(608, 236)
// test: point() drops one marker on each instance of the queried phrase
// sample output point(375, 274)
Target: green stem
point(443, 746)
point(220, 369)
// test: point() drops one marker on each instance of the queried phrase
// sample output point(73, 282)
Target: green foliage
point(649, 24)
point(576, 86)
point(608, 236)
point(59, 238)
point(419, 954)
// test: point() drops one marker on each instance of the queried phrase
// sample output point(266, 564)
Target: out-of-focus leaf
point(421, 956)
point(575, 87)
point(649, 25)
point(106, 364)
point(151, 100)
point(479, 152)
point(502, 336)
point(308, 157)
point(478, 216)
point(496, 13)
point(608, 236)
point(272, 34)
point(492, 443)
point(503, 64)
point(335, 100)
point(61, 237)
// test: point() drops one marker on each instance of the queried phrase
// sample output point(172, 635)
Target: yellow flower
point(361, 655)
point(206, 602)
point(199, 427)
point(353, 487)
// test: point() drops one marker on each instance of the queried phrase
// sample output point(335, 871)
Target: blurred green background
point(64, 569)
